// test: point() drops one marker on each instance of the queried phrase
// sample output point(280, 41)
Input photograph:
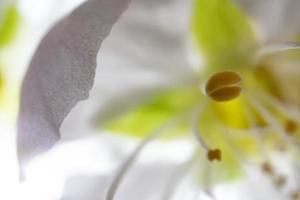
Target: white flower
point(144, 65)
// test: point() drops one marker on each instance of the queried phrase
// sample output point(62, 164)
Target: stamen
point(270, 119)
point(207, 175)
point(223, 86)
point(274, 48)
point(267, 168)
point(275, 103)
point(280, 181)
point(290, 127)
point(212, 154)
point(295, 195)
point(124, 169)
point(131, 159)
point(178, 177)
point(255, 132)
point(195, 129)
point(226, 134)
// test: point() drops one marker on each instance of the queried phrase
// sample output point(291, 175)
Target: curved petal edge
point(61, 74)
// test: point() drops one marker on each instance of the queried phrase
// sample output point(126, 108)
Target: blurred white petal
point(39, 12)
point(86, 167)
point(277, 19)
point(61, 73)
point(83, 169)
point(145, 51)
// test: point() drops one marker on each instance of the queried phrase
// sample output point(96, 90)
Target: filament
point(270, 119)
point(255, 132)
point(178, 177)
point(207, 181)
point(239, 155)
point(279, 105)
point(195, 128)
point(274, 48)
point(131, 159)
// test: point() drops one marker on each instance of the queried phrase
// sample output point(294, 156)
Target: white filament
point(274, 48)
point(272, 121)
point(195, 128)
point(131, 159)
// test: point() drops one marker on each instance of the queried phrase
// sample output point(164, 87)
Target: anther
point(267, 168)
point(290, 126)
point(214, 154)
point(280, 181)
point(223, 86)
point(295, 195)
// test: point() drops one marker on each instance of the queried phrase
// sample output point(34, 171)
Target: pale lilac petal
point(61, 73)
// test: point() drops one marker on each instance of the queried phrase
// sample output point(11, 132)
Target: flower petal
point(89, 165)
point(61, 73)
point(142, 120)
point(223, 33)
point(8, 24)
point(144, 53)
point(277, 19)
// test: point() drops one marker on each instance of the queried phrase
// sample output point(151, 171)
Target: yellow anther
point(223, 86)
point(214, 154)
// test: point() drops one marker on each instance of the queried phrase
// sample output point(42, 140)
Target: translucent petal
point(143, 119)
point(144, 54)
point(8, 25)
point(275, 19)
point(61, 73)
point(223, 33)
